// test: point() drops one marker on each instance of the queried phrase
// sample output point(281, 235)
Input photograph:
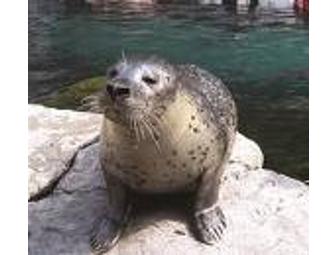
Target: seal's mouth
point(118, 92)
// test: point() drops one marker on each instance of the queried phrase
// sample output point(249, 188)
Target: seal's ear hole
point(112, 73)
point(148, 80)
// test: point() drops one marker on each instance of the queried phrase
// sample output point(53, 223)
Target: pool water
point(261, 54)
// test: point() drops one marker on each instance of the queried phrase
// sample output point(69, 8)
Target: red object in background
point(302, 5)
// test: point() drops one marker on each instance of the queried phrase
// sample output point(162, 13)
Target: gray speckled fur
point(213, 93)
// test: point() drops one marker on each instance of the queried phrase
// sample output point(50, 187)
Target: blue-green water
point(261, 55)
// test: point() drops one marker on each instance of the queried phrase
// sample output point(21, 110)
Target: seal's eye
point(112, 73)
point(148, 80)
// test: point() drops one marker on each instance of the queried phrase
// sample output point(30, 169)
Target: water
point(261, 55)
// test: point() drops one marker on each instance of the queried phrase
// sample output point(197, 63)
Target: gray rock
point(267, 213)
point(54, 138)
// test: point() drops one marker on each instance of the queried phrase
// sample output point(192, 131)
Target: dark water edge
point(262, 57)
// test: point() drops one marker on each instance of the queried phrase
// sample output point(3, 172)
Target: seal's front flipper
point(210, 224)
point(209, 218)
point(108, 228)
point(105, 234)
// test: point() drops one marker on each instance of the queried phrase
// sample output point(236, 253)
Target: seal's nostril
point(117, 92)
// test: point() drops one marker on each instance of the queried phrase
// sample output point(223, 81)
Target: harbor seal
point(167, 128)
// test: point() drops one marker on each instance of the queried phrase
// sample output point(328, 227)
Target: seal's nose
point(117, 92)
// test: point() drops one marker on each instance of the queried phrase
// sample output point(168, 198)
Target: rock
point(71, 96)
point(266, 213)
point(54, 138)
point(247, 152)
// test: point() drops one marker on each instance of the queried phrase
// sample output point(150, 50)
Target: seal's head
point(137, 88)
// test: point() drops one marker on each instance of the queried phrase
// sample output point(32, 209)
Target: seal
point(167, 128)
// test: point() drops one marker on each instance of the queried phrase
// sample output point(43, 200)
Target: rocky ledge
point(267, 213)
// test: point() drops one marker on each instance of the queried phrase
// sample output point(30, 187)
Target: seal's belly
point(184, 150)
point(155, 172)
point(170, 169)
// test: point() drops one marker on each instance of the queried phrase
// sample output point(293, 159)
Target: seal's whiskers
point(151, 132)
